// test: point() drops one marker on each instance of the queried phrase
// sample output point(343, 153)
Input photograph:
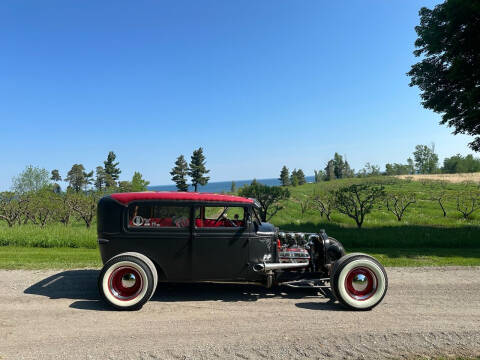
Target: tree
point(100, 178)
point(369, 170)
point(284, 176)
point(88, 179)
point(467, 204)
point(319, 175)
point(41, 206)
point(124, 186)
point(459, 164)
point(179, 173)
point(197, 169)
point(10, 207)
point(31, 179)
point(348, 172)
point(426, 161)
point(448, 75)
point(398, 203)
point(330, 171)
point(233, 187)
point(325, 203)
point(301, 177)
point(84, 205)
point(338, 166)
point(76, 177)
point(399, 169)
point(294, 181)
point(138, 183)
point(357, 200)
point(111, 168)
point(269, 198)
point(55, 176)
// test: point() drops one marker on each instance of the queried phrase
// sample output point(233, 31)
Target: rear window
point(158, 216)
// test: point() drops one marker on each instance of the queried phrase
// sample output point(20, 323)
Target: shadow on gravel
point(81, 285)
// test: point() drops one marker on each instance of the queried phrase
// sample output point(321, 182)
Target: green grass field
point(424, 238)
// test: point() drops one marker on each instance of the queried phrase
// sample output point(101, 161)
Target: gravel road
point(58, 315)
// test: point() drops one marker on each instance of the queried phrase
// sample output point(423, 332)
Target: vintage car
point(150, 237)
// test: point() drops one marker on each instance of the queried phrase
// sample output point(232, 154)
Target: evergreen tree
point(284, 176)
point(100, 178)
point(179, 173)
point(88, 179)
point(301, 177)
point(294, 178)
point(76, 177)
point(111, 168)
point(55, 176)
point(197, 169)
point(233, 187)
point(138, 183)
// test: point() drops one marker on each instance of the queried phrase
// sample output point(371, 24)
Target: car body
point(195, 237)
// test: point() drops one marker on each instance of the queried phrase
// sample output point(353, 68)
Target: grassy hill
point(422, 226)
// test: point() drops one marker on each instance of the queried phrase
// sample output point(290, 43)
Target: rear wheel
point(147, 261)
point(359, 281)
point(126, 282)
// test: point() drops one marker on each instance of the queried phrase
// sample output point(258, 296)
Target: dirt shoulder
point(58, 315)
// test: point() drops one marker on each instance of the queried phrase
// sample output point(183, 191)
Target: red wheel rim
point(361, 283)
point(125, 283)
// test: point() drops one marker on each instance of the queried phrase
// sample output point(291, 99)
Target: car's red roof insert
point(126, 198)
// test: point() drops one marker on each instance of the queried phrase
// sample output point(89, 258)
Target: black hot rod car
point(149, 237)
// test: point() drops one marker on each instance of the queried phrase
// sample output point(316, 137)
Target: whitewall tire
point(359, 281)
point(126, 282)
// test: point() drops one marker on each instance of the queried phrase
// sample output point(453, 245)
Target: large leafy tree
point(31, 179)
point(449, 73)
point(426, 161)
point(179, 174)
point(112, 171)
point(197, 169)
point(269, 197)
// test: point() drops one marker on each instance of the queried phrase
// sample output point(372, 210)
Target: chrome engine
point(293, 247)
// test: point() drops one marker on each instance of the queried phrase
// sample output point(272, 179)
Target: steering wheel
point(224, 216)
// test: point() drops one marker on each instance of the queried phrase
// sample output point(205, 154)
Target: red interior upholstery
point(220, 223)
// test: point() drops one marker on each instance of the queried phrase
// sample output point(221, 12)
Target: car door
point(220, 250)
point(161, 231)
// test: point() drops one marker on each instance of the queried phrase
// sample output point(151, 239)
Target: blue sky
point(258, 84)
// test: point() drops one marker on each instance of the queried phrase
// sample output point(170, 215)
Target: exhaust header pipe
point(264, 267)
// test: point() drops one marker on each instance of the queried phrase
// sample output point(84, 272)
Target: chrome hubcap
point(359, 282)
point(128, 280)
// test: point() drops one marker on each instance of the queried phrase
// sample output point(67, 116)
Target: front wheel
point(359, 281)
point(126, 282)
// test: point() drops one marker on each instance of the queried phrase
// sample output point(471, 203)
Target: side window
point(158, 216)
point(220, 216)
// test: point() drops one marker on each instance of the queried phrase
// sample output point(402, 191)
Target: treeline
point(37, 197)
point(424, 160)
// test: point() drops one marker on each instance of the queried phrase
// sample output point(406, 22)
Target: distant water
point(223, 186)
